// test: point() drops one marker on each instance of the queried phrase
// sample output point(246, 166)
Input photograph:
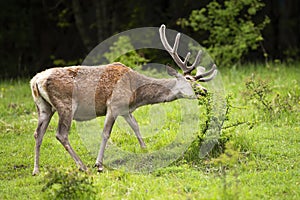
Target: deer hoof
point(35, 172)
point(99, 167)
point(83, 169)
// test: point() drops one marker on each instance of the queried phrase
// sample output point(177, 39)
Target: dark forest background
point(35, 33)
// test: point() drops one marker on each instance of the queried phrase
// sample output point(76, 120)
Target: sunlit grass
point(269, 167)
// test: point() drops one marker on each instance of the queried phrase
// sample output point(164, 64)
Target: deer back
point(82, 88)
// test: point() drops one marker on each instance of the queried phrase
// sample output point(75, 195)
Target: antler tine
point(197, 61)
point(210, 77)
point(202, 76)
point(173, 52)
point(187, 57)
point(162, 33)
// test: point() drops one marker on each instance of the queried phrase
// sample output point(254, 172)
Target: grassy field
point(261, 136)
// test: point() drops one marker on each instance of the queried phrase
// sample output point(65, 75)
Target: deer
point(83, 93)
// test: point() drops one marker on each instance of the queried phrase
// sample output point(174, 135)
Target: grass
point(267, 147)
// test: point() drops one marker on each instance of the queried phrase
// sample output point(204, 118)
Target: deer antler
point(201, 74)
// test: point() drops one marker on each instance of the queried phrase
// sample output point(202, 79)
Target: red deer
point(116, 90)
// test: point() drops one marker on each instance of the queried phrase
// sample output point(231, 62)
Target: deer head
point(201, 74)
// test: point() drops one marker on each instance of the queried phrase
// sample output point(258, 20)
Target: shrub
point(70, 184)
point(128, 55)
point(272, 104)
point(230, 27)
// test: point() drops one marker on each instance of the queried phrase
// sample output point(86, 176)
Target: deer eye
point(188, 78)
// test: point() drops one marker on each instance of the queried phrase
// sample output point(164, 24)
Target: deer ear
point(200, 70)
point(171, 71)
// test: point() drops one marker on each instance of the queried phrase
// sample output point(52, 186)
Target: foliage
point(260, 93)
point(31, 32)
point(62, 62)
point(231, 28)
point(70, 184)
point(225, 161)
point(260, 162)
point(259, 90)
point(219, 124)
point(123, 51)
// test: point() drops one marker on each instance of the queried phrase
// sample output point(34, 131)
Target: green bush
point(70, 184)
point(123, 51)
point(230, 27)
point(272, 104)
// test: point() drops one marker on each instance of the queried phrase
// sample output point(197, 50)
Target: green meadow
point(255, 157)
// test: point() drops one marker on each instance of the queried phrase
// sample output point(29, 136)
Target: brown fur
point(35, 91)
point(106, 84)
point(83, 93)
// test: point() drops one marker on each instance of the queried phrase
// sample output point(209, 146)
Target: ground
point(261, 159)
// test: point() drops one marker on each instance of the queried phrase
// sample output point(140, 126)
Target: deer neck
point(152, 91)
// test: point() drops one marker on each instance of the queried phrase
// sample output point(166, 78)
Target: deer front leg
point(108, 124)
point(135, 127)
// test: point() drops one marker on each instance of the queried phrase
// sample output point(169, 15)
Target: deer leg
point(62, 135)
point(135, 127)
point(44, 116)
point(108, 124)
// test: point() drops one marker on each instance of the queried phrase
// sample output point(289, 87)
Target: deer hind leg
point(108, 124)
point(45, 114)
point(64, 124)
point(135, 127)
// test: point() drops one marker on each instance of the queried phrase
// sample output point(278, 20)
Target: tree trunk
point(100, 6)
point(81, 25)
point(103, 18)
